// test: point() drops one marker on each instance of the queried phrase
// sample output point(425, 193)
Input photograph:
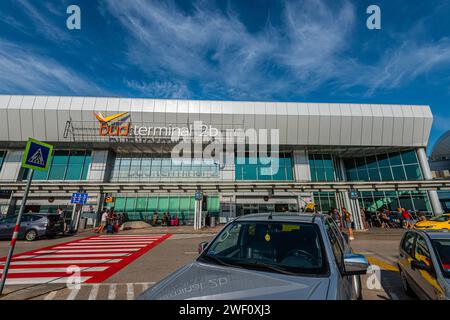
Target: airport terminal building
point(119, 151)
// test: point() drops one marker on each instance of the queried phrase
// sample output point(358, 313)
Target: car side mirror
point(202, 246)
point(355, 264)
point(416, 264)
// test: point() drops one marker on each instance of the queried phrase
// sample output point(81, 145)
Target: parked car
point(32, 226)
point(435, 223)
point(270, 256)
point(424, 263)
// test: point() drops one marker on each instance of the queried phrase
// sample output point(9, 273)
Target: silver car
point(32, 226)
point(424, 263)
point(270, 256)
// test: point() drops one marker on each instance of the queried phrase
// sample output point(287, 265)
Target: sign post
point(198, 209)
point(78, 200)
point(35, 157)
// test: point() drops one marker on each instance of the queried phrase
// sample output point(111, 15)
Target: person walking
point(103, 221)
point(407, 217)
point(347, 222)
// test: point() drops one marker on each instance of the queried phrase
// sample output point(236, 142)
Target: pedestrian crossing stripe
point(50, 265)
point(37, 158)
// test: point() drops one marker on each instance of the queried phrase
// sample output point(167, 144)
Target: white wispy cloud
point(399, 66)
point(309, 49)
point(27, 71)
point(160, 89)
point(43, 23)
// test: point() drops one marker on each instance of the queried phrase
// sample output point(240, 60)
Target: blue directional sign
point(198, 195)
point(37, 155)
point(79, 198)
point(353, 194)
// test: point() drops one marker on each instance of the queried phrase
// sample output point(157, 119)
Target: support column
point(351, 205)
point(432, 194)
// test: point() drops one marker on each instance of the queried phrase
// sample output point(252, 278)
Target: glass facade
point(142, 207)
point(65, 165)
point(251, 168)
point(392, 200)
point(325, 201)
point(146, 167)
point(2, 158)
point(321, 167)
point(384, 167)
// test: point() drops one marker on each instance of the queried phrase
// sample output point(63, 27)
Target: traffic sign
point(37, 155)
point(79, 198)
point(354, 194)
point(198, 195)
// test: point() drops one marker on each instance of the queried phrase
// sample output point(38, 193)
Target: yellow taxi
point(441, 222)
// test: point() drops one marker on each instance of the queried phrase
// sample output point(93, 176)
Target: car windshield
point(443, 252)
point(282, 247)
point(441, 218)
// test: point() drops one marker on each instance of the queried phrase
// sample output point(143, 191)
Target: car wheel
point(31, 235)
point(405, 285)
point(357, 287)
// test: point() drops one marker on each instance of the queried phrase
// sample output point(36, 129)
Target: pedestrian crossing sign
point(37, 155)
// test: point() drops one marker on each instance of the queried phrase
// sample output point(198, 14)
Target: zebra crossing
point(87, 260)
point(99, 291)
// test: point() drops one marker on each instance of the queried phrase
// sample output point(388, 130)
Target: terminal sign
point(37, 155)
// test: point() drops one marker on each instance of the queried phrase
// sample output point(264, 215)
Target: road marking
point(382, 264)
point(94, 292)
point(130, 291)
point(73, 294)
point(112, 292)
point(34, 270)
point(87, 250)
point(51, 295)
point(97, 262)
point(84, 261)
point(80, 255)
point(89, 246)
point(40, 280)
point(190, 252)
point(145, 286)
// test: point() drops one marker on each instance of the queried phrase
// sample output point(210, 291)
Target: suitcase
point(109, 229)
point(116, 228)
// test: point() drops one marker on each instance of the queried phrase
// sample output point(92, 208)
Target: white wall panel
point(388, 124)
point(299, 123)
point(314, 124)
point(51, 118)
point(357, 117)
point(346, 125)
point(325, 124)
point(367, 124)
point(13, 116)
point(4, 101)
point(26, 117)
point(303, 123)
point(397, 139)
point(292, 124)
point(335, 124)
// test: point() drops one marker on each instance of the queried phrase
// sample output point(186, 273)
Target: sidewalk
point(160, 230)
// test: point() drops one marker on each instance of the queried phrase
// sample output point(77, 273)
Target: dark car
point(424, 263)
point(32, 226)
point(265, 256)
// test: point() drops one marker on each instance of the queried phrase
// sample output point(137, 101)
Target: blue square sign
point(37, 155)
point(79, 198)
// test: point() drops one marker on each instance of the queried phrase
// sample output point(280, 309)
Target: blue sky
point(311, 50)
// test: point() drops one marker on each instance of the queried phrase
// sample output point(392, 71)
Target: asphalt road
point(380, 246)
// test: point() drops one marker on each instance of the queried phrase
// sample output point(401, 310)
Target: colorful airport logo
point(110, 128)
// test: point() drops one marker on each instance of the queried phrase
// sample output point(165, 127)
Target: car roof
point(436, 234)
point(280, 217)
